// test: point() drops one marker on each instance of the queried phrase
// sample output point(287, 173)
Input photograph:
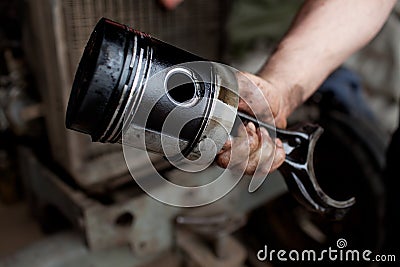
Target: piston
point(109, 95)
point(136, 90)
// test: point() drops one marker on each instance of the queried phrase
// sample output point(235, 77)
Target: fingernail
point(264, 131)
point(251, 126)
point(278, 143)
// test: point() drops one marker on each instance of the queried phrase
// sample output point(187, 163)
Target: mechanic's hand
point(254, 150)
point(170, 4)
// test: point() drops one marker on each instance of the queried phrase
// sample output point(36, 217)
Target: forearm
point(323, 35)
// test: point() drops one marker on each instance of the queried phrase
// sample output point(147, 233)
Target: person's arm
point(323, 35)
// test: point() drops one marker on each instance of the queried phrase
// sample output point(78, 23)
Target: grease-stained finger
point(243, 146)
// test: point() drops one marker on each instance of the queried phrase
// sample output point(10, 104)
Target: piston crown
point(97, 79)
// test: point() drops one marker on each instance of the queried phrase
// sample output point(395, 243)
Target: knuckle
point(222, 161)
point(251, 168)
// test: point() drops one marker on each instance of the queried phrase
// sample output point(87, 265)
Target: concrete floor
point(17, 228)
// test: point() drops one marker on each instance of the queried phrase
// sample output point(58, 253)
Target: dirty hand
point(254, 150)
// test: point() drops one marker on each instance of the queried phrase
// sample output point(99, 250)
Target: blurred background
point(65, 201)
